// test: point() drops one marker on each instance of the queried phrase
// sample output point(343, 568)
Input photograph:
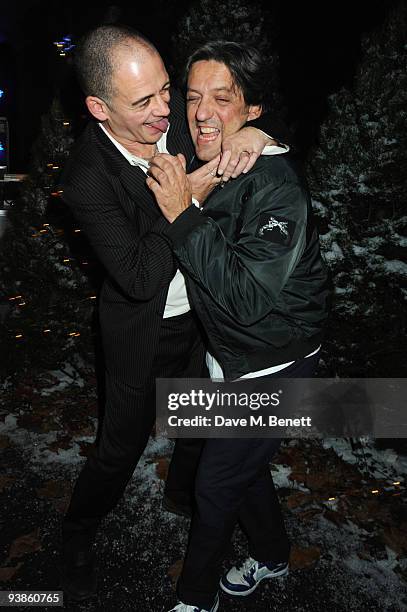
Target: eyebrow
point(228, 89)
point(167, 84)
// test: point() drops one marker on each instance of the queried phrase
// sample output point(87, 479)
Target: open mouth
point(207, 133)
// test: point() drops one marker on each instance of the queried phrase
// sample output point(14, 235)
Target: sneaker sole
point(283, 572)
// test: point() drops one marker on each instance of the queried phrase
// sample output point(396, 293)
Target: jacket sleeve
point(271, 124)
point(244, 277)
point(140, 264)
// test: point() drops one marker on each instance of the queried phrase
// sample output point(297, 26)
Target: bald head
point(101, 51)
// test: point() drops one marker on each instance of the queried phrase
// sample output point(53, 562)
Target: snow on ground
point(337, 562)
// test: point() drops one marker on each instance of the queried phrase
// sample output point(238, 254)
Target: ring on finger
point(212, 173)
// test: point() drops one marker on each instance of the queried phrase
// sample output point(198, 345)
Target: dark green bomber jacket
point(253, 268)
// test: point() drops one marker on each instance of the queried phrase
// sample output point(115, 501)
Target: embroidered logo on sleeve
point(275, 229)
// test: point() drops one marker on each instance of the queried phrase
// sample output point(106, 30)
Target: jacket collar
point(132, 178)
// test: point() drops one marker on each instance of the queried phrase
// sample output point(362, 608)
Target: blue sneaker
point(243, 579)
point(181, 607)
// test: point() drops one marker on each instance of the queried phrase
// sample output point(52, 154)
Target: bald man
point(148, 329)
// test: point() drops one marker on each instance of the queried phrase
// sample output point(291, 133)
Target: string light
point(64, 46)
point(77, 231)
point(19, 335)
point(375, 491)
point(17, 297)
point(46, 331)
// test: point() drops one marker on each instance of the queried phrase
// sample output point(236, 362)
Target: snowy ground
point(349, 542)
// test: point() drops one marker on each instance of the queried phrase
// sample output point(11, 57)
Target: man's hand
point(204, 180)
point(240, 151)
point(170, 185)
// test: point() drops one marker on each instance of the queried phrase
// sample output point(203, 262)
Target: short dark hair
point(94, 57)
point(249, 72)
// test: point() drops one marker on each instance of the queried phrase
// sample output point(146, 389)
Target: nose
point(204, 110)
point(161, 108)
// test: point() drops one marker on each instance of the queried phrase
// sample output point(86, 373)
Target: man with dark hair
point(148, 329)
point(257, 282)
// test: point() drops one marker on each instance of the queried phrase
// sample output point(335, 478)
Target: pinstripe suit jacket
point(119, 215)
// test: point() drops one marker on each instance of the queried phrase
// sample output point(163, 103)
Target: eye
point(143, 104)
point(222, 100)
point(192, 99)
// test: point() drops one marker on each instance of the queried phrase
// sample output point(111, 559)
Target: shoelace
point(247, 567)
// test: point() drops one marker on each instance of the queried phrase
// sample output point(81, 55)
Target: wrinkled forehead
point(211, 75)
point(137, 67)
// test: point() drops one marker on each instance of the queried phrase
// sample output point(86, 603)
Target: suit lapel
point(132, 178)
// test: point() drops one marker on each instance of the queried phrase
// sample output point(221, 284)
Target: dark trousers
point(233, 484)
point(129, 418)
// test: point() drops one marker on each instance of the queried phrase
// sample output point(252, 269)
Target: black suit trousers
point(129, 418)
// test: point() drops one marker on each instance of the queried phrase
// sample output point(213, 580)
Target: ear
point(97, 107)
point(254, 112)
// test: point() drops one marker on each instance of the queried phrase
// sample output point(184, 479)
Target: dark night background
point(344, 500)
point(318, 46)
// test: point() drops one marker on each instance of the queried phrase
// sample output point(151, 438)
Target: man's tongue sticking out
point(161, 124)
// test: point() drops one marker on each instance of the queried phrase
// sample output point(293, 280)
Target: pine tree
point(359, 183)
point(51, 299)
point(236, 20)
